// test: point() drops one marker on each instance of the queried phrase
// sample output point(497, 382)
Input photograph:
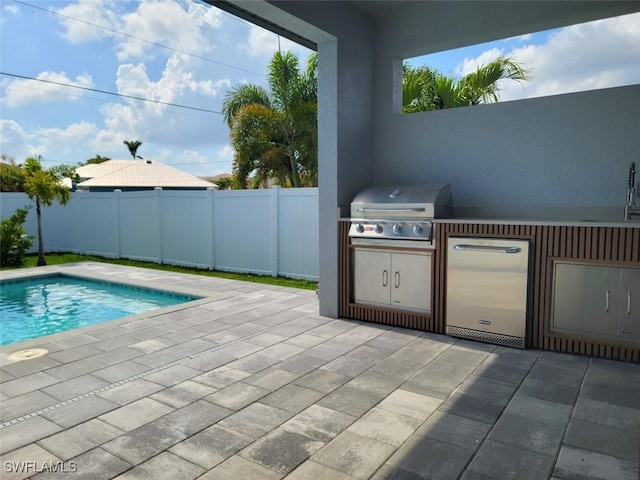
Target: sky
point(192, 55)
point(187, 53)
point(587, 56)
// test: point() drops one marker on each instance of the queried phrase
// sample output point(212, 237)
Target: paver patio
point(251, 383)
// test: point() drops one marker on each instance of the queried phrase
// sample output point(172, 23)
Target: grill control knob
point(417, 230)
point(359, 228)
point(397, 229)
point(377, 228)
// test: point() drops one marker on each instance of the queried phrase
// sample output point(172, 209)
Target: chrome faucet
point(631, 208)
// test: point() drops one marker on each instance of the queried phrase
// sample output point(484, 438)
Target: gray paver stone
point(26, 432)
point(509, 462)
point(281, 450)
point(211, 446)
point(431, 459)
point(319, 423)
point(354, 455)
point(79, 439)
point(255, 420)
point(145, 442)
point(237, 396)
point(135, 414)
point(239, 468)
point(575, 463)
point(196, 416)
point(292, 398)
point(80, 411)
point(165, 466)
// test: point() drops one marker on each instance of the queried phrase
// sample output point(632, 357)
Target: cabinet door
point(586, 299)
point(629, 306)
point(411, 281)
point(371, 276)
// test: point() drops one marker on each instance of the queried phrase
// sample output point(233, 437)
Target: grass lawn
point(60, 258)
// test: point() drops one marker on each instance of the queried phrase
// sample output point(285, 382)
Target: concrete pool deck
point(251, 383)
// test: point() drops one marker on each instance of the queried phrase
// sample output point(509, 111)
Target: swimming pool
point(45, 305)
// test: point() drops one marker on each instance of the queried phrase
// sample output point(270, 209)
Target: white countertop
point(543, 222)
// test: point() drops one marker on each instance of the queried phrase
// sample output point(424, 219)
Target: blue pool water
point(42, 306)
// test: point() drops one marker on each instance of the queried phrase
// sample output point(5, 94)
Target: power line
point(23, 77)
point(94, 99)
point(139, 39)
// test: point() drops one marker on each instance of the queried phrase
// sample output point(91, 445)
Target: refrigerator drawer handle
point(486, 248)
point(365, 210)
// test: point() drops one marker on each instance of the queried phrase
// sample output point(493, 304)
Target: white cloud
point(190, 157)
point(90, 13)
point(62, 143)
point(14, 140)
point(262, 43)
point(227, 152)
point(161, 124)
point(28, 92)
point(55, 145)
point(12, 9)
point(181, 25)
point(469, 65)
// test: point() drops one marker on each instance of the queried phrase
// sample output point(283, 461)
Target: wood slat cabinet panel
point(619, 247)
point(548, 243)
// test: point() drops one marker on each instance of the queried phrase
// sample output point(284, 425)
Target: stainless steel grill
point(388, 215)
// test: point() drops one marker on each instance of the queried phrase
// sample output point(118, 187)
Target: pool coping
point(63, 270)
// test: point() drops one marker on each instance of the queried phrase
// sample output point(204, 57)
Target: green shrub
point(14, 241)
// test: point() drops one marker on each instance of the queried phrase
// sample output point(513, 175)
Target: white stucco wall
point(565, 155)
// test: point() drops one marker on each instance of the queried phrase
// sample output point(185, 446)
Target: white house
point(129, 175)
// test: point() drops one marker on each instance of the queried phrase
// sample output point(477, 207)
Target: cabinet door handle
point(628, 303)
point(606, 301)
point(385, 278)
point(397, 277)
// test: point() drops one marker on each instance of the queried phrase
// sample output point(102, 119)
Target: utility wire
point(101, 100)
point(139, 39)
point(110, 93)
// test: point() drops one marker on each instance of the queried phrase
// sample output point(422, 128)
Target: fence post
point(211, 232)
point(158, 192)
point(275, 210)
point(116, 198)
point(79, 214)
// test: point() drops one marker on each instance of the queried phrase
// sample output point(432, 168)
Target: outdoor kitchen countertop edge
point(545, 222)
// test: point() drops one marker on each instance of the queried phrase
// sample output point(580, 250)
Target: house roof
point(137, 173)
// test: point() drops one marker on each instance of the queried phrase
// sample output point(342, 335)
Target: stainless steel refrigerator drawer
point(487, 289)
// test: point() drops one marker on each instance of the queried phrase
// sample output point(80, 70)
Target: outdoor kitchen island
point(570, 245)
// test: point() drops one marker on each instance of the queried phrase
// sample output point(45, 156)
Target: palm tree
point(133, 146)
point(45, 186)
point(274, 133)
point(425, 89)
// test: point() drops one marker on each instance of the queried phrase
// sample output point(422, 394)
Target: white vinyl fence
point(268, 232)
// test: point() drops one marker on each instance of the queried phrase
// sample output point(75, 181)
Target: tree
point(44, 186)
point(133, 146)
point(224, 183)
point(274, 133)
point(14, 241)
point(11, 175)
point(424, 89)
point(98, 159)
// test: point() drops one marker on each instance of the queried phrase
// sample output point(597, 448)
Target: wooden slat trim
point(606, 245)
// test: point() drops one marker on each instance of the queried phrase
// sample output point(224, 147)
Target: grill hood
point(403, 201)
